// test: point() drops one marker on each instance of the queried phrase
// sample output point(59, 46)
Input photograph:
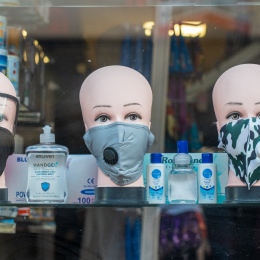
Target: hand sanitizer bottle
point(46, 170)
point(182, 180)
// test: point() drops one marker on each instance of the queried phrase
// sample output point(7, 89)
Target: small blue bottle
point(155, 178)
point(207, 179)
point(182, 180)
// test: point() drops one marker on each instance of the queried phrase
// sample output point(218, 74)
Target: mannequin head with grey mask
point(8, 114)
point(236, 100)
point(116, 104)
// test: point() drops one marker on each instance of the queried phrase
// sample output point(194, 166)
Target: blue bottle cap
point(156, 158)
point(207, 158)
point(182, 146)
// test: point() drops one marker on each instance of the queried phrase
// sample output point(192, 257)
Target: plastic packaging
point(155, 177)
point(46, 170)
point(207, 179)
point(182, 180)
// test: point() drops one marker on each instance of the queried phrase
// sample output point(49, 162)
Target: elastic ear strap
point(4, 195)
point(11, 135)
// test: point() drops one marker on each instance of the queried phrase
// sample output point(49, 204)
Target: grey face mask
point(119, 149)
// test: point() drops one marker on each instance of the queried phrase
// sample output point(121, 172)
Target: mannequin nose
point(110, 156)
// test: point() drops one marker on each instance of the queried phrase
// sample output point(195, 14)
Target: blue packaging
point(3, 61)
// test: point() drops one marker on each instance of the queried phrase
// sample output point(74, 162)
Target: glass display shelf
point(111, 205)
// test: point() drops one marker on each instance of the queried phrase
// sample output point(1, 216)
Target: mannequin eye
point(102, 118)
point(133, 116)
point(258, 115)
point(234, 116)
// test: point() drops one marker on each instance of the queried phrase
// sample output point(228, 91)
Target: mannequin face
point(7, 113)
point(236, 94)
point(115, 93)
point(7, 106)
point(8, 109)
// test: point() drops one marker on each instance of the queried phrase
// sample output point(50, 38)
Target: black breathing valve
point(110, 156)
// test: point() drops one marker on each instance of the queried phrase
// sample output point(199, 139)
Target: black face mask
point(6, 147)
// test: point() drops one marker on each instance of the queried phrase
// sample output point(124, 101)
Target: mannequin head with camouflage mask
point(236, 100)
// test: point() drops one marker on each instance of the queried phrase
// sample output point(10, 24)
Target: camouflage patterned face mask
point(240, 139)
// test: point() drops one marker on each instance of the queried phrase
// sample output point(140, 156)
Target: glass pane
point(48, 49)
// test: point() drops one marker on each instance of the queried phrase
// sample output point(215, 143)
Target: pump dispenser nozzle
point(47, 136)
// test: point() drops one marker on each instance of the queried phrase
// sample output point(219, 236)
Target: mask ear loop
point(15, 99)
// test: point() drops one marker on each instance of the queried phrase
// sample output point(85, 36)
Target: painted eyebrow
point(4, 105)
point(234, 103)
point(257, 103)
point(101, 106)
point(130, 104)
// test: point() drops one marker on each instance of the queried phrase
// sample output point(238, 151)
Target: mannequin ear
point(218, 128)
point(86, 127)
point(14, 129)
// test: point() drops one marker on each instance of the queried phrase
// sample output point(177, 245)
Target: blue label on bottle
point(156, 174)
point(45, 186)
point(156, 194)
point(207, 173)
point(207, 193)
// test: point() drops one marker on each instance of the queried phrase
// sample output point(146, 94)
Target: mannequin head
point(8, 107)
point(236, 95)
point(8, 114)
point(116, 94)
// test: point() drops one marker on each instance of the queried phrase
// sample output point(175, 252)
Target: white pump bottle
point(46, 170)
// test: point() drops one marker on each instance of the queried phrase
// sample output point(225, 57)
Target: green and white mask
point(240, 140)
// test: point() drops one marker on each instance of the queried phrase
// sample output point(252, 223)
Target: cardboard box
point(81, 178)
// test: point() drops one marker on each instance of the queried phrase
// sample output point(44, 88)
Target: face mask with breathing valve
point(119, 149)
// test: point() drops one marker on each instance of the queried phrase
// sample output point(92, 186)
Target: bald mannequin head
point(115, 93)
point(8, 110)
point(6, 85)
point(236, 94)
point(7, 105)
